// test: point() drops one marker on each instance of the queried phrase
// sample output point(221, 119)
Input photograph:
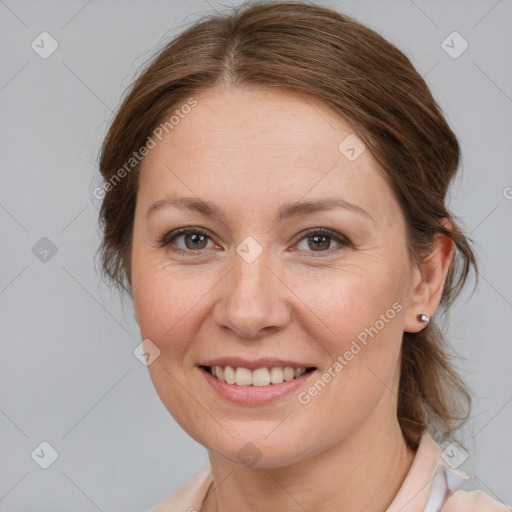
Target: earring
point(424, 318)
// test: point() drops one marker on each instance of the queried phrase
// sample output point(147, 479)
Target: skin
point(250, 150)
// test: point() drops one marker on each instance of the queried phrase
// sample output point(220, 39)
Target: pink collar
point(430, 480)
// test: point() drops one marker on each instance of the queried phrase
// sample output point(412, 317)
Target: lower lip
point(254, 395)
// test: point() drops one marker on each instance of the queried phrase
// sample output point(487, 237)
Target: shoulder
point(473, 501)
point(190, 496)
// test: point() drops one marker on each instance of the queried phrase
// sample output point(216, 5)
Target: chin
point(252, 450)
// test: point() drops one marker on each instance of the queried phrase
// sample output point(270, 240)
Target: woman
point(274, 202)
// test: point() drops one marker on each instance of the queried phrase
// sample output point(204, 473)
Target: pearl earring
point(424, 318)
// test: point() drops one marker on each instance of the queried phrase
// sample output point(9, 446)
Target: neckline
point(416, 487)
point(414, 491)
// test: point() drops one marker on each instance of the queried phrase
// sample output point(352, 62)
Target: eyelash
point(166, 240)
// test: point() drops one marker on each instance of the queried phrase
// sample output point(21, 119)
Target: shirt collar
point(430, 480)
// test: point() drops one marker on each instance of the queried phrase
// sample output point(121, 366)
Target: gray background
point(68, 375)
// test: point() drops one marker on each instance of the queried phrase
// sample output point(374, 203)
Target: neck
point(364, 471)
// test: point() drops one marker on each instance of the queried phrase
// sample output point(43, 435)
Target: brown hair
point(367, 81)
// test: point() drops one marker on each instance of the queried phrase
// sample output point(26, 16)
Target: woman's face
point(255, 279)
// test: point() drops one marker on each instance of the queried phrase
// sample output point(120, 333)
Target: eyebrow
point(286, 211)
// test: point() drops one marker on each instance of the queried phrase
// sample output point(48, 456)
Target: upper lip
point(264, 362)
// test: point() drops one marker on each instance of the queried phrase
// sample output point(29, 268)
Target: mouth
point(257, 377)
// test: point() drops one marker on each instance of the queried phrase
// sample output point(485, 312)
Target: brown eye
point(320, 240)
point(194, 239)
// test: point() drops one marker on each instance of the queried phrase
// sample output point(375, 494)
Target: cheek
point(168, 301)
point(361, 315)
point(349, 301)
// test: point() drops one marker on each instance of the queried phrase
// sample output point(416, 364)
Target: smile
point(257, 386)
point(240, 376)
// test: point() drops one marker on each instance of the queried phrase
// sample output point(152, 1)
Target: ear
point(428, 281)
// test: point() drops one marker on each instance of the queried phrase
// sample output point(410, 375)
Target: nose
point(254, 301)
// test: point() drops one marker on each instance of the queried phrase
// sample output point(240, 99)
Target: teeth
point(289, 373)
point(229, 375)
point(276, 375)
point(298, 372)
point(243, 377)
point(258, 377)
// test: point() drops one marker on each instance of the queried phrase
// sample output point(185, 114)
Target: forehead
point(261, 120)
point(259, 142)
